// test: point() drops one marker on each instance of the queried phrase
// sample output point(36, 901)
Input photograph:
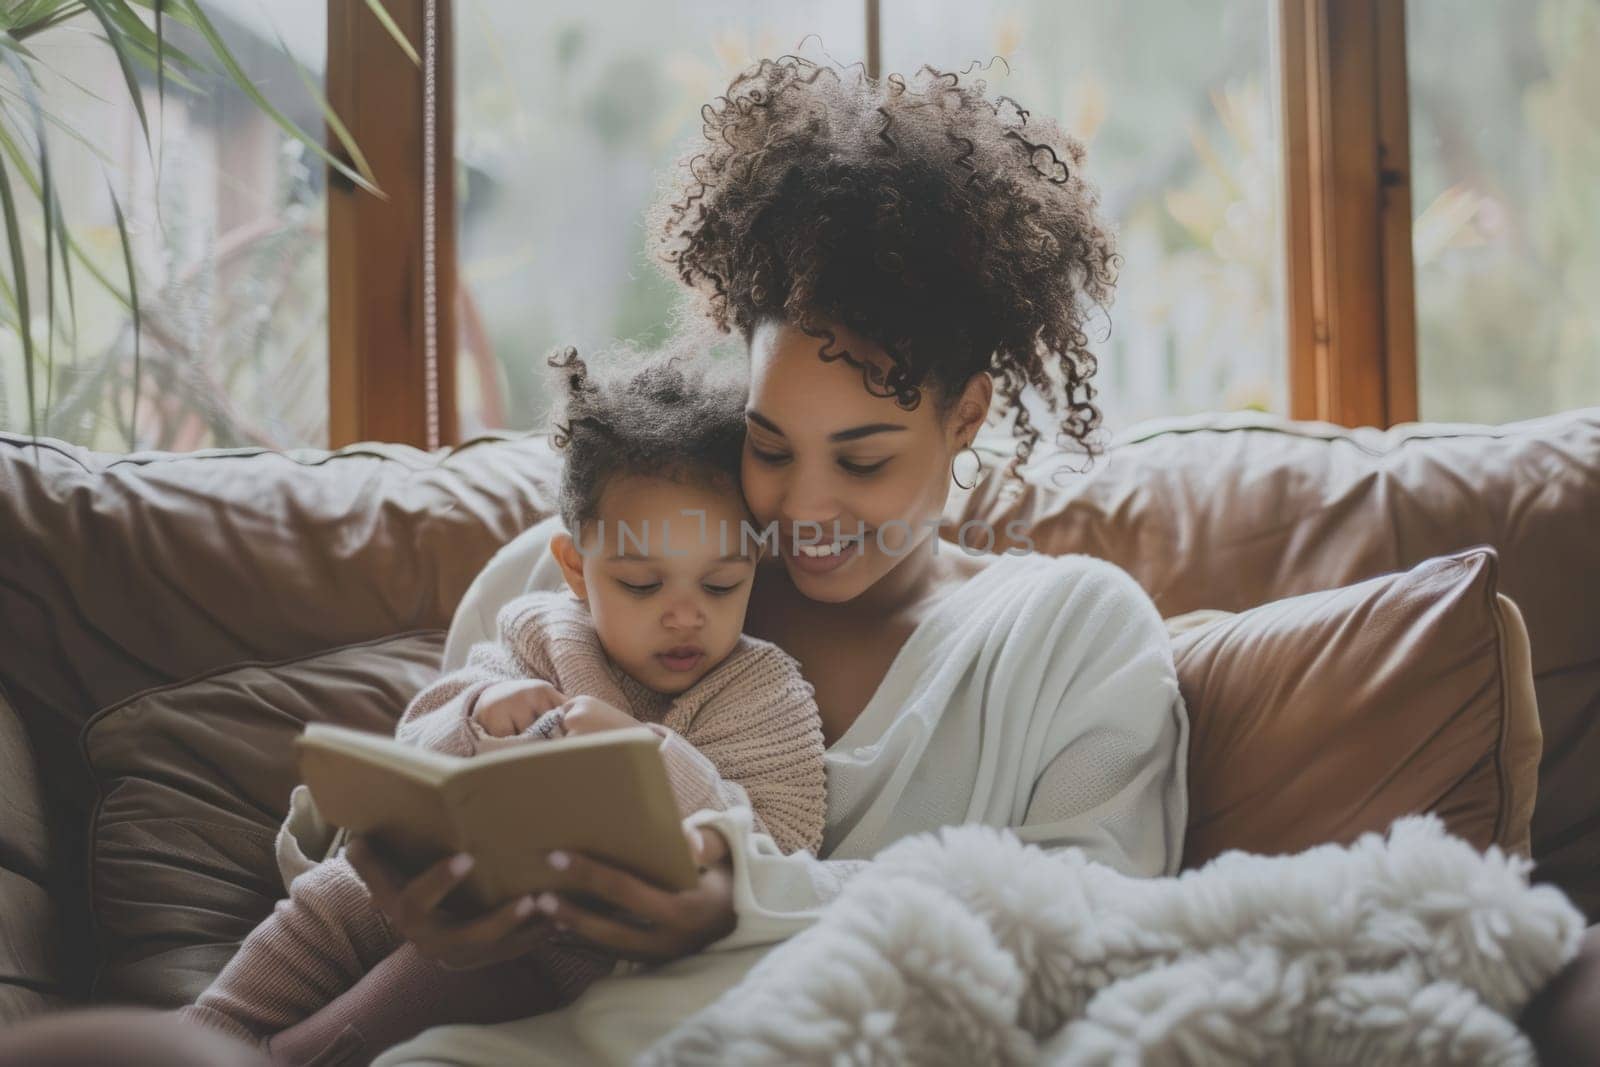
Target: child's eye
point(863, 468)
point(770, 458)
point(639, 590)
point(721, 590)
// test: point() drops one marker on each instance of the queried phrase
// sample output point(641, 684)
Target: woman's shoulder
point(1094, 594)
point(521, 565)
point(1072, 574)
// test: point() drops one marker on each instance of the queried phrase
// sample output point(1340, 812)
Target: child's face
point(668, 597)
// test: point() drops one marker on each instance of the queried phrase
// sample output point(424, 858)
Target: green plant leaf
point(149, 49)
point(25, 169)
point(329, 115)
point(10, 298)
point(161, 61)
point(381, 13)
point(98, 152)
point(133, 304)
point(50, 202)
point(19, 281)
point(119, 47)
point(364, 179)
point(11, 44)
point(40, 16)
point(51, 210)
point(176, 14)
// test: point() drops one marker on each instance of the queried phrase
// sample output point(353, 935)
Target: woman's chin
point(835, 586)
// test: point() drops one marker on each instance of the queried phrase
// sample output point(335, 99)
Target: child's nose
point(683, 615)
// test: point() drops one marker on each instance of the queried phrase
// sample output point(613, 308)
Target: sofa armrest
point(30, 967)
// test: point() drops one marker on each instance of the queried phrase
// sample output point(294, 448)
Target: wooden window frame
point(392, 271)
point(392, 259)
point(1352, 343)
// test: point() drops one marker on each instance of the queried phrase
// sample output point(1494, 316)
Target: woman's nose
point(808, 497)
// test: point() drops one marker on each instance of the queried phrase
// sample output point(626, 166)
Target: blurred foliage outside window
point(570, 113)
point(226, 224)
point(1505, 151)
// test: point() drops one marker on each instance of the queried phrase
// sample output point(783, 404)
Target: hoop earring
point(976, 474)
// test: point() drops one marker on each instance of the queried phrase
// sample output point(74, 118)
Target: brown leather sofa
point(169, 622)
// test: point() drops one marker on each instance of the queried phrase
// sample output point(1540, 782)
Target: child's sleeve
point(440, 717)
point(757, 741)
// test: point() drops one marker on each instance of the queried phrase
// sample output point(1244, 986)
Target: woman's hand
point(656, 925)
point(653, 925)
point(412, 908)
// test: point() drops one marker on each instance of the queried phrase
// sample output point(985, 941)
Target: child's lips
point(683, 658)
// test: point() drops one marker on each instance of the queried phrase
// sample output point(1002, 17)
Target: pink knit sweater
point(325, 967)
point(748, 728)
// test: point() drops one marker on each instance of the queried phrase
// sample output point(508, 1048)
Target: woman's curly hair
point(659, 417)
point(951, 229)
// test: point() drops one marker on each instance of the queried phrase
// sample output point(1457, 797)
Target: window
point(1505, 136)
point(1175, 105)
point(1327, 208)
point(568, 114)
point(225, 220)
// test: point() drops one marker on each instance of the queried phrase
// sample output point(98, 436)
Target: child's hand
point(505, 709)
point(586, 715)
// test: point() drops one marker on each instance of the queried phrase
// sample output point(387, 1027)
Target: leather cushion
point(1320, 717)
point(30, 963)
point(1235, 511)
point(193, 783)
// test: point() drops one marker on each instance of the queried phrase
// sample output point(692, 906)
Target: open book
point(604, 794)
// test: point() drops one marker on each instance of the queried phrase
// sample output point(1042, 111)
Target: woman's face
point(853, 482)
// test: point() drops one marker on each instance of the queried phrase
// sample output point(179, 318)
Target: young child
point(650, 633)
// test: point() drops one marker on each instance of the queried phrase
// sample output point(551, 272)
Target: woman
point(891, 255)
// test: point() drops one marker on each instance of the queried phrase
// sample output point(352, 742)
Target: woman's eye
point(863, 468)
point(770, 458)
point(639, 590)
point(721, 590)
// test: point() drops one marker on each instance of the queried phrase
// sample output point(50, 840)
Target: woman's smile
point(826, 558)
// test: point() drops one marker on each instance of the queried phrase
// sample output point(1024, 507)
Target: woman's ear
point(971, 409)
point(565, 550)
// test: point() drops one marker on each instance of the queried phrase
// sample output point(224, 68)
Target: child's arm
point(756, 741)
point(441, 717)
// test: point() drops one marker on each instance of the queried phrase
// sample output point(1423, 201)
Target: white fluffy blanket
point(967, 947)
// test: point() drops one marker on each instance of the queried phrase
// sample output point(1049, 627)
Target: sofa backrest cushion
point(193, 781)
point(1235, 511)
point(30, 963)
point(1321, 717)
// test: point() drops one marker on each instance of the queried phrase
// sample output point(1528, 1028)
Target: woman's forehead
point(789, 377)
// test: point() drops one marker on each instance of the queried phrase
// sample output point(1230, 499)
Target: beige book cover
point(605, 794)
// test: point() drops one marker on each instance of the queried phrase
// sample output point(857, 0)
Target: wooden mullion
point(391, 262)
point(1394, 160)
point(1347, 208)
point(1307, 319)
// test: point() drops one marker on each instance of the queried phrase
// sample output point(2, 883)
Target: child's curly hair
point(663, 417)
point(946, 227)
